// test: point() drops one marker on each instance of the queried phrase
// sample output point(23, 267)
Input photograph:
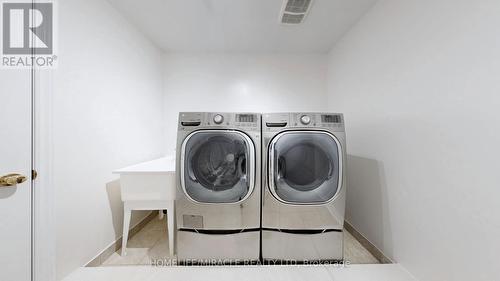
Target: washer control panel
point(223, 120)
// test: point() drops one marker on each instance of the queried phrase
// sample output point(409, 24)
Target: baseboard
point(115, 246)
point(379, 255)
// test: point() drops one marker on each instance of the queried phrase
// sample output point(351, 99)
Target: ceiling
point(240, 25)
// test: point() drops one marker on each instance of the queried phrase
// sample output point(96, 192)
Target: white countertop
point(164, 165)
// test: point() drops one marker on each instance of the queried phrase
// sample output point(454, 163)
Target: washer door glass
point(304, 167)
point(218, 166)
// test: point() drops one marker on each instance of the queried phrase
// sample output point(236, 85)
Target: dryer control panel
point(277, 121)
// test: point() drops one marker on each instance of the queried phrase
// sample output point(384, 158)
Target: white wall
point(419, 84)
point(107, 113)
point(242, 82)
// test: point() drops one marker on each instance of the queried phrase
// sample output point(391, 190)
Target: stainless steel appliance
point(304, 190)
point(219, 187)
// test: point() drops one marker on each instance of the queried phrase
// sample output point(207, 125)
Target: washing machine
point(304, 175)
point(219, 187)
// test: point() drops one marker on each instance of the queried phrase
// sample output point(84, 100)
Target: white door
point(15, 158)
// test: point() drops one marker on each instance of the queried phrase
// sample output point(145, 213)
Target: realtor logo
point(27, 34)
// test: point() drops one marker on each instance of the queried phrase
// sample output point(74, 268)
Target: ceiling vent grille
point(294, 11)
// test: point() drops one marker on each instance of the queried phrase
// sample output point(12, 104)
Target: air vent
point(297, 6)
point(294, 11)
point(292, 19)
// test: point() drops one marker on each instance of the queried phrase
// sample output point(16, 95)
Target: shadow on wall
point(367, 208)
point(116, 208)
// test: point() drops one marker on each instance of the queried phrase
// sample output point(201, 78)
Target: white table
point(148, 186)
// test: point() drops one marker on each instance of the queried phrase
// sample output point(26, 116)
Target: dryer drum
point(219, 163)
point(305, 166)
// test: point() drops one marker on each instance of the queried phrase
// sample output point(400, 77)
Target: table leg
point(126, 225)
point(170, 220)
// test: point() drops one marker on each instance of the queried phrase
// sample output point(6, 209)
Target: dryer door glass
point(218, 166)
point(305, 167)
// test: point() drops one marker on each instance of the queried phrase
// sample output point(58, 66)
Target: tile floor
point(356, 272)
point(151, 243)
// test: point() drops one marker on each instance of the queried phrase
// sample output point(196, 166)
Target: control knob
point(305, 119)
point(218, 119)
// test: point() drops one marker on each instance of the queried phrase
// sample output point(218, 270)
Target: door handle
point(12, 179)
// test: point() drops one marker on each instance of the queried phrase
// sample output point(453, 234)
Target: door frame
point(43, 211)
point(43, 228)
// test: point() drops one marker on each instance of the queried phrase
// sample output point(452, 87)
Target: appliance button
point(218, 119)
point(305, 119)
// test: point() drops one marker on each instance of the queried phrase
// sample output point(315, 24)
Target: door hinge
point(34, 175)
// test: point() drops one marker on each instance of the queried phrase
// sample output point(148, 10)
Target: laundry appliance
point(219, 187)
point(303, 197)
